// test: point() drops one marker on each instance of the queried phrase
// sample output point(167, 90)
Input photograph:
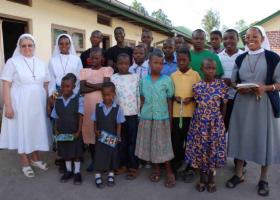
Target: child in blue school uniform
point(107, 118)
point(68, 115)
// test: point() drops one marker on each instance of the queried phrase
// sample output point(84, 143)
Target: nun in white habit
point(64, 61)
point(24, 127)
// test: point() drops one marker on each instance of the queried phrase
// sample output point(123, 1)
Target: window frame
point(29, 3)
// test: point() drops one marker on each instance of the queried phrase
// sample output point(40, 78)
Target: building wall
point(42, 14)
point(272, 28)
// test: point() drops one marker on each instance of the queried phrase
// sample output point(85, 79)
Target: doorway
point(11, 30)
point(106, 42)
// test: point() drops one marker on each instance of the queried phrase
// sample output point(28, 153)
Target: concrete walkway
point(46, 185)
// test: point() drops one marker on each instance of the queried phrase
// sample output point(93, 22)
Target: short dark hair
point(109, 84)
point(139, 46)
point(232, 31)
point(70, 77)
point(179, 36)
point(169, 41)
point(217, 32)
point(156, 53)
point(184, 50)
point(96, 32)
point(123, 55)
point(198, 31)
point(145, 30)
point(209, 60)
point(118, 28)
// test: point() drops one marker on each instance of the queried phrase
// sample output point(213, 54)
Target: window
point(104, 20)
point(130, 43)
point(25, 2)
point(78, 36)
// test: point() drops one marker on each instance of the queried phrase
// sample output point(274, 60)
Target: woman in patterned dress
point(206, 141)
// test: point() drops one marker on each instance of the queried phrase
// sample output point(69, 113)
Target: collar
point(237, 53)
point(144, 65)
point(72, 97)
point(186, 73)
point(174, 60)
point(101, 104)
point(256, 52)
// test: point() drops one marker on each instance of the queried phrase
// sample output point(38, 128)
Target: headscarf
point(265, 43)
point(56, 51)
point(23, 36)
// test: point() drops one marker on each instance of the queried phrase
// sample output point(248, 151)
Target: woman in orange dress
point(91, 83)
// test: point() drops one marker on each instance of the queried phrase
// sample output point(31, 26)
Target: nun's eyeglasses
point(28, 45)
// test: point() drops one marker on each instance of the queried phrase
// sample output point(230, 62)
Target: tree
point(139, 7)
point(211, 20)
point(241, 25)
point(161, 16)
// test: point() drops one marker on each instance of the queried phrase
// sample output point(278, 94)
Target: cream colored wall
point(43, 13)
point(273, 24)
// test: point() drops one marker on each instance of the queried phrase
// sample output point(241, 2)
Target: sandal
point(155, 176)
point(170, 181)
point(132, 174)
point(40, 164)
point(211, 187)
point(234, 181)
point(263, 189)
point(28, 172)
point(200, 187)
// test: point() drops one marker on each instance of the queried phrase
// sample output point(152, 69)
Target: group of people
point(169, 107)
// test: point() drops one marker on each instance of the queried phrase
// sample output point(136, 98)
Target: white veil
point(27, 36)
point(56, 51)
point(265, 43)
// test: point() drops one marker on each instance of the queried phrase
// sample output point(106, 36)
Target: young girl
point(91, 83)
point(127, 88)
point(206, 141)
point(107, 118)
point(154, 135)
point(68, 115)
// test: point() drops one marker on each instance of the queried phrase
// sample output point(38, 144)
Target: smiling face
point(27, 47)
point(64, 45)
point(108, 95)
point(96, 58)
point(230, 41)
point(123, 64)
point(67, 87)
point(119, 35)
point(254, 39)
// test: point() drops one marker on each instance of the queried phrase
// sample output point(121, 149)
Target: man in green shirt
point(199, 53)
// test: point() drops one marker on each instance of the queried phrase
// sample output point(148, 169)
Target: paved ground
point(46, 186)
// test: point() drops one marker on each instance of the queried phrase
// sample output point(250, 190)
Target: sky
point(189, 13)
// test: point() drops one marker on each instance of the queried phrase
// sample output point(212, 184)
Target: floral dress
point(206, 141)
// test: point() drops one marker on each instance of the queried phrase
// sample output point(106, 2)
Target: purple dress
point(206, 141)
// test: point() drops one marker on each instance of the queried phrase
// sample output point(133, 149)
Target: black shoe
point(66, 177)
point(263, 189)
point(111, 181)
point(78, 179)
point(98, 182)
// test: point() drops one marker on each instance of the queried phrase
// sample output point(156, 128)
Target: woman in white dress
point(63, 61)
point(24, 127)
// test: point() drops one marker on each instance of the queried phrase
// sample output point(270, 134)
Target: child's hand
point(178, 99)
point(97, 134)
point(9, 112)
point(187, 100)
point(227, 81)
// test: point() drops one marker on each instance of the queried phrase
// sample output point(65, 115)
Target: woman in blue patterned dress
point(206, 141)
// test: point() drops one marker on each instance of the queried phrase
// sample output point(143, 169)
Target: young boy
point(128, 97)
point(199, 53)
point(183, 107)
point(95, 39)
point(68, 115)
point(216, 40)
point(170, 62)
point(147, 39)
point(113, 52)
point(179, 42)
point(140, 65)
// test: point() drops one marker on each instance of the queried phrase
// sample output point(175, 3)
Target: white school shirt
point(140, 70)
point(59, 66)
point(128, 93)
point(228, 63)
